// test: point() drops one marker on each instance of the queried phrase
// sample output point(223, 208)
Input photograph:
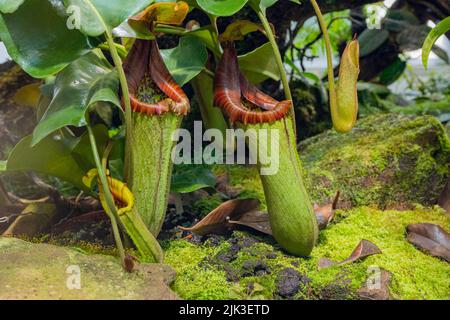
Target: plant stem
point(126, 97)
point(277, 54)
point(329, 52)
point(110, 207)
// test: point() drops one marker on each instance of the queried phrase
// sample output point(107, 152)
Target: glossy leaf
point(135, 30)
point(172, 13)
point(37, 38)
point(207, 36)
point(222, 8)
point(97, 15)
point(371, 39)
point(393, 72)
point(434, 35)
point(9, 6)
point(186, 179)
point(430, 238)
point(263, 4)
point(185, 61)
point(50, 156)
point(259, 64)
point(83, 83)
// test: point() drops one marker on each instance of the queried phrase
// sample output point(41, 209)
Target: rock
point(288, 282)
point(388, 161)
point(376, 287)
point(43, 271)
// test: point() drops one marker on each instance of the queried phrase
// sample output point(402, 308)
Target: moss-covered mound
point(44, 271)
point(249, 267)
point(388, 160)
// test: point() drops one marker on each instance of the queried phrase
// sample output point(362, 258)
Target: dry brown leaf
point(325, 214)
point(430, 238)
point(255, 219)
point(217, 221)
point(364, 249)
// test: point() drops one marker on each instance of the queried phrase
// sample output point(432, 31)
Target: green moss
point(205, 205)
point(416, 275)
point(388, 161)
point(193, 281)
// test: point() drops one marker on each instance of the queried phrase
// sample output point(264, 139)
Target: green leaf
point(9, 6)
point(259, 64)
point(434, 35)
point(37, 38)
point(207, 36)
point(222, 8)
point(371, 39)
point(186, 60)
point(393, 72)
point(186, 179)
point(2, 166)
point(398, 20)
point(263, 4)
point(50, 156)
point(97, 15)
point(84, 82)
point(138, 31)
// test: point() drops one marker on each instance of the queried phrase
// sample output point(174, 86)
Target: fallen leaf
point(430, 238)
point(255, 219)
point(325, 213)
point(28, 96)
point(364, 249)
point(33, 220)
point(217, 221)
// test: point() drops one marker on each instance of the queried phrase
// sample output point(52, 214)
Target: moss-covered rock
point(43, 271)
point(388, 160)
point(249, 267)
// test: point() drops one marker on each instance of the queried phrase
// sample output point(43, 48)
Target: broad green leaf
point(186, 179)
point(138, 31)
point(37, 38)
point(263, 4)
point(398, 20)
point(207, 36)
point(186, 60)
point(9, 6)
point(50, 156)
point(94, 16)
point(259, 64)
point(434, 35)
point(371, 39)
point(221, 8)
point(84, 82)
point(393, 72)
